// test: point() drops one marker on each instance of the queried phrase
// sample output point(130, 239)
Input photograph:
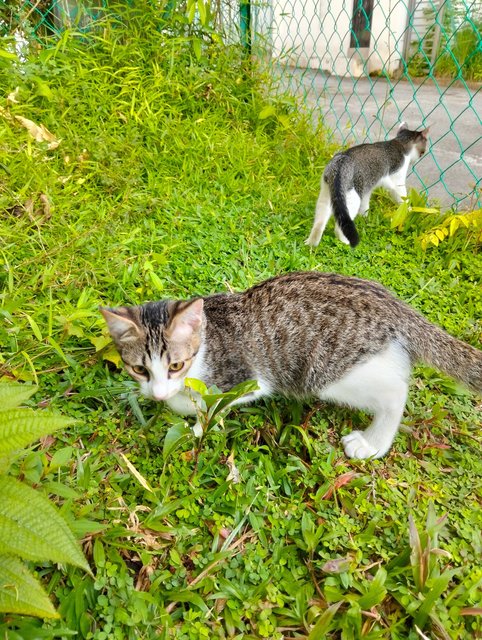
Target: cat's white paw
point(312, 242)
point(357, 446)
point(341, 236)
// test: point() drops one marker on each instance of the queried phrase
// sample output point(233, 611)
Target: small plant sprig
point(470, 221)
point(448, 224)
point(415, 202)
point(211, 407)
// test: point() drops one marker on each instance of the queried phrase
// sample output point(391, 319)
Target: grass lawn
point(177, 176)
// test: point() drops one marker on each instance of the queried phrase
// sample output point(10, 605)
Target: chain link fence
point(365, 66)
point(360, 66)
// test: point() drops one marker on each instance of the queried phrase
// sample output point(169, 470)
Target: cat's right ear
point(121, 327)
point(401, 127)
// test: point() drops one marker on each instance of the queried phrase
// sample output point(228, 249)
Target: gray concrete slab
point(370, 109)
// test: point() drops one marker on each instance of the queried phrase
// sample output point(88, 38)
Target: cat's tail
point(338, 190)
point(434, 346)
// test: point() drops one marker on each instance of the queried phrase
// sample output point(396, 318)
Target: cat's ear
point(121, 326)
point(401, 127)
point(186, 319)
point(425, 133)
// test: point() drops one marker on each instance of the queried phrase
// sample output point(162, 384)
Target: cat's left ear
point(186, 319)
point(401, 127)
point(425, 133)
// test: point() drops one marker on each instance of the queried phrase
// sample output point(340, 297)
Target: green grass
point(168, 183)
point(459, 57)
point(462, 54)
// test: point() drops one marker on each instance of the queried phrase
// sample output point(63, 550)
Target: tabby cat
point(352, 175)
point(305, 334)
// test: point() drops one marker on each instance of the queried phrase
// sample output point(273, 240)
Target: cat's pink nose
point(159, 395)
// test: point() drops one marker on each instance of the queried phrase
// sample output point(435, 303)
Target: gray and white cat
point(303, 335)
point(352, 175)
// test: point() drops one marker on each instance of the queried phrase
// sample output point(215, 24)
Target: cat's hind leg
point(353, 204)
point(323, 213)
point(379, 385)
point(364, 205)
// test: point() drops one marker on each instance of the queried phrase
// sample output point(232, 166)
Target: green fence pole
point(245, 24)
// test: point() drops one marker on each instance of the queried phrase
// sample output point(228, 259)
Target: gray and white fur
point(352, 175)
point(304, 335)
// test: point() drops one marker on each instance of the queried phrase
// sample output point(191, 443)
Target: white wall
point(316, 34)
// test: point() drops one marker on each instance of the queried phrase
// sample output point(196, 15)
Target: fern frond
point(12, 394)
point(21, 592)
point(19, 427)
point(30, 525)
point(32, 528)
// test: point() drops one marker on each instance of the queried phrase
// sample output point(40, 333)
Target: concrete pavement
point(366, 109)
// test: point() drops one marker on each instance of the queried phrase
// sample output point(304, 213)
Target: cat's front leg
point(399, 192)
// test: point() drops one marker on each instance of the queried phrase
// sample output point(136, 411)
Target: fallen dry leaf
point(233, 474)
point(38, 132)
point(341, 480)
point(45, 205)
point(13, 95)
point(337, 565)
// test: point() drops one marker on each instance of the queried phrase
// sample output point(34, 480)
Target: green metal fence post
point(245, 24)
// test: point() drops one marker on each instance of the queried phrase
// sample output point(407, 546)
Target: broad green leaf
point(43, 88)
point(196, 385)
point(189, 596)
point(416, 554)
point(177, 434)
point(62, 490)
point(219, 401)
point(284, 120)
point(376, 592)
point(31, 527)
point(454, 225)
point(425, 210)
point(156, 281)
point(99, 553)
point(400, 215)
point(197, 48)
point(12, 394)
point(438, 587)
point(20, 592)
point(267, 112)
point(19, 427)
point(61, 457)
point(241, 389)
point(7, 54)
point(322, 627)
point(201, 7)
point(35, 328)
point(191, 11)
point(100, 342)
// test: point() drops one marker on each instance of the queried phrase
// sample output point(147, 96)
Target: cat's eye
point(140, 370)
point(176, 366)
